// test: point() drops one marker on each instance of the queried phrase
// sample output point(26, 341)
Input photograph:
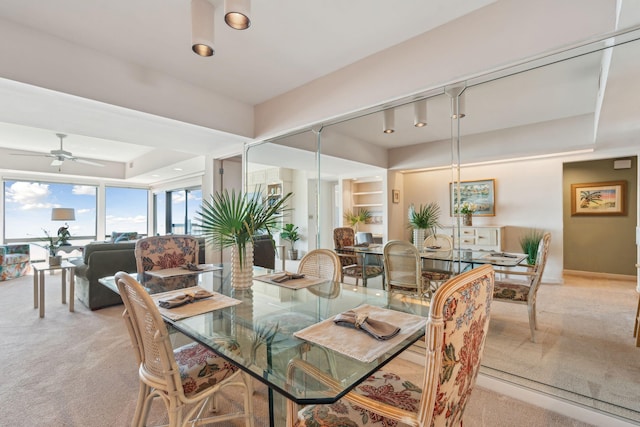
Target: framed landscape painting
point(482, 193)
point(599, 198)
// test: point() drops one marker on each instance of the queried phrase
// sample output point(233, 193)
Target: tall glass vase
point(468, 219)
point(419, 234)
point(242, 274)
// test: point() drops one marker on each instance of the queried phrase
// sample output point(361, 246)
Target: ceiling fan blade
point(87, 162)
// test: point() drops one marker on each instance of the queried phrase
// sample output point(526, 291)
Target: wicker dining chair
point(433, 275)
point(322, 263)
point(352, 266)
point(524, 291)
point(455, 335)
point(184, 379)
point(403, 268)
point(161, 252)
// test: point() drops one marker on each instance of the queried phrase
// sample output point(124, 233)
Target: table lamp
point(63, 214)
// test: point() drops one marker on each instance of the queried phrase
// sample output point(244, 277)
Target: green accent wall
point(602, 244)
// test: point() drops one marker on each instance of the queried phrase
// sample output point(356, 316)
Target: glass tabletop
point(264, 323)
point(469, 256)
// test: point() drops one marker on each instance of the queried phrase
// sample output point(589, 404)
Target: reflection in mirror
point(293, 164)
point(522, 125)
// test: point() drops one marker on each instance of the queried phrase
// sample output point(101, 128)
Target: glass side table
point(38, 283)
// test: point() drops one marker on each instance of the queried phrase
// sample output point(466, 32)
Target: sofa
point(99, 260)
point(14, 261)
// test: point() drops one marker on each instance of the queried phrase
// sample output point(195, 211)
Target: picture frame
point(599, 198)
point(395, 196)
point(481, 192)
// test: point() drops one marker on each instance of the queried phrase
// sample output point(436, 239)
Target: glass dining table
point(267, 318)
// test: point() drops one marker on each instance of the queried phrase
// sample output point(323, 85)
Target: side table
point(38, 283)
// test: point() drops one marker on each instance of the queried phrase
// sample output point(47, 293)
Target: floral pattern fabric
point(14, 261)
point(201, 368)
point(160, 252)
point(465, 314)
point(511, 291)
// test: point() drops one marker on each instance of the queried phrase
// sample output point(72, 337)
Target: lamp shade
point(63, 214)
point(202, 16)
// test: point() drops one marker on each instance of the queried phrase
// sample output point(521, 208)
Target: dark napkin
point(288, 276)
point(191, 267)
point(183, 298)
point(376, 328)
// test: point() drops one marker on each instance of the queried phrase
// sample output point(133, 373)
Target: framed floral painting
point(480, 195)
point(599, 198)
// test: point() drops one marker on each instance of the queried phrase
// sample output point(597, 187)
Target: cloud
point(139, 219)
point(83, 211)
point(84, 190)
point(29, 195)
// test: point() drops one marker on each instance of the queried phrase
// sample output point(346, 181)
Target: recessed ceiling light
point(177, 169)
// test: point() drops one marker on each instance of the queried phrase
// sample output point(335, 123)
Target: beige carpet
point(585, 351)
point(78, 369)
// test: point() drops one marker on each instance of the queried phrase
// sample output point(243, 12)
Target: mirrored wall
point(512, 132)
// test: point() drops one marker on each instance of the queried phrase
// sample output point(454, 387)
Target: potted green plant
point(53, 242)
point(529, 243)
point(425, 219)
point(230, 220)
point(354, 219)
point(290, 232)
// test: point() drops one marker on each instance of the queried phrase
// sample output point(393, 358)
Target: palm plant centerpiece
point(426, 218)
point(529, 243)
point(230, 220)
point(354, 219)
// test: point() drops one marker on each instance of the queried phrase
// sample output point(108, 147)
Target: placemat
point(358, 344)
point(179, 271)
point(305, 282)
point(216, 302)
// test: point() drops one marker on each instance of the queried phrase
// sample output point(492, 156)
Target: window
point(27, 209)
point(175, 210)
point(126, 210)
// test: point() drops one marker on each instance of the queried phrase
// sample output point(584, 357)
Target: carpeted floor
point(585, 350)
point(78, 369)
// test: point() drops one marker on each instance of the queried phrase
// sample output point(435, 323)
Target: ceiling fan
point(59, 156)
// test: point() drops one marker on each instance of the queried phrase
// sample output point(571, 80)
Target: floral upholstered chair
point(365, 267)
point(184, 379)
point(455, 337)
point(524, 291)
point(14, 261)
point(161, 252)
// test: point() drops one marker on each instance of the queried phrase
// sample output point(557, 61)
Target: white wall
point(528, 195)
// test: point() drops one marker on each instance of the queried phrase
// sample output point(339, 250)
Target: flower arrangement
point(466, 208)
point(425, 217)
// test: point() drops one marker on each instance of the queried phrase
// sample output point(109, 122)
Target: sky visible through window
point(28, 209)
point(126, 210)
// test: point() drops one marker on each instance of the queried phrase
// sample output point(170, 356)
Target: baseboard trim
point(591, 274)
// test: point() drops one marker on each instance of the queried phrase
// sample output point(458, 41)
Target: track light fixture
point(458, 106)
point(420, 113)
point(388, 121)
point(202, 18)
point(236, 14)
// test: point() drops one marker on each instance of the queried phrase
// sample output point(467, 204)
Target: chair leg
point(143, 392)
point(532, 321)
point(636, 329)
point(248, 399)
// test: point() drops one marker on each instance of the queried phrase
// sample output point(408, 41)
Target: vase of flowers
point(53, 242)
point(466, 209)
